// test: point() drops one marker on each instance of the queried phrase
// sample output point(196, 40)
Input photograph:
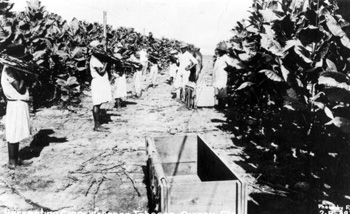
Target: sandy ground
point(76, 169)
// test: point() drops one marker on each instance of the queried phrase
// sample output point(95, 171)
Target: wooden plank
point(204, 196)
point(183, 179)
point(180, 168)
point(176, 148)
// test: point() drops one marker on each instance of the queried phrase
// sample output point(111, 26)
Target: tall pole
point(105, 28)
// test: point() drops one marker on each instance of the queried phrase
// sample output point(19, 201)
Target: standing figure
point(173, 66)
point(135, 59)
point(17, 123)
point(220, 74)
point(154, 70)
point(100, 86)
point(144, 62)
point(186, 62)
point(120, 92)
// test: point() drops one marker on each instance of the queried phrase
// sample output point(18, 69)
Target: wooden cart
point(186, 175)
point(199, 96)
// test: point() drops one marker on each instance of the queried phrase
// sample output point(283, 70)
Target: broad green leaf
point(333, 26)
point(38, 54)
point(72, 81)
point(244, 85)
point(337, 95)
point(81, 68)
point(77, 52)
point(61, 82)
point(317, 96)
point(271, 45)
point(294, 104)
point(285, 72)
point(271, 75)
point(331, 66)
point(269, 15)
point(320, 105)
point(76, 89)
point(328, 112)
point(74, 25)
point(334, 79)
point(345, 41)
point(65, 98)
point(342, 123)
point(303, 53)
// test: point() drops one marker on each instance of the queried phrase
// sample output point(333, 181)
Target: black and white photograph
point(175, 107)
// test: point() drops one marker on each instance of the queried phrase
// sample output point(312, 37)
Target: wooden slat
point(183, 179)
point(204, 197)
point(176, 148)
point(180, 168)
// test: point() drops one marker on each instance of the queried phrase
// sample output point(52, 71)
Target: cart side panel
point(203, 197)
point(176, 148)
point(210, 165)
point(178, 154)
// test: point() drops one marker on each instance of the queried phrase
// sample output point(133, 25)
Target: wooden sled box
point(186, 175)
point(199, 96)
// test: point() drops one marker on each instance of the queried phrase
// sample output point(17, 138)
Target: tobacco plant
point(292, 59)
point(60, 48)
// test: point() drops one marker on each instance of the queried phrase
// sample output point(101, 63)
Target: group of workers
point(101, 89)
point(15, 88)
point(180, 66)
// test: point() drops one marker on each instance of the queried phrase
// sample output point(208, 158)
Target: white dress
point(100, 86)
point(120, 90)
point(172, 70)
point(154, 74)
point(17, 122)
point(219, 73)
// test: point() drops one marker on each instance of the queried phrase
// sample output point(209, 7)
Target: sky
point(203, 23)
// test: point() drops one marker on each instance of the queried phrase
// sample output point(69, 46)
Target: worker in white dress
point(100, 86)
point(144, 62)
point(17, 122)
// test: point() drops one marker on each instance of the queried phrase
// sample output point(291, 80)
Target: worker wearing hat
point(186, 62)
point(15, 86)
point(220, 74)
point(100, 85)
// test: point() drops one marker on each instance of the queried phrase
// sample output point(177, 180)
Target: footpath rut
point(76, 169)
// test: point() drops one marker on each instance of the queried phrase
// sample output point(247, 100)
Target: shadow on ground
point(40, 140)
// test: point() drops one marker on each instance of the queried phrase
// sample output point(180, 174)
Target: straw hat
point(183, 45)
point(222, 46)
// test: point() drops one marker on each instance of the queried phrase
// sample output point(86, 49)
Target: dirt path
point(76, 169)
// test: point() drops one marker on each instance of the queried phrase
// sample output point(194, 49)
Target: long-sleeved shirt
point(219, 73)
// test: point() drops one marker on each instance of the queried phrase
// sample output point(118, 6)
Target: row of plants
point(291, 88)
point(60, 48)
